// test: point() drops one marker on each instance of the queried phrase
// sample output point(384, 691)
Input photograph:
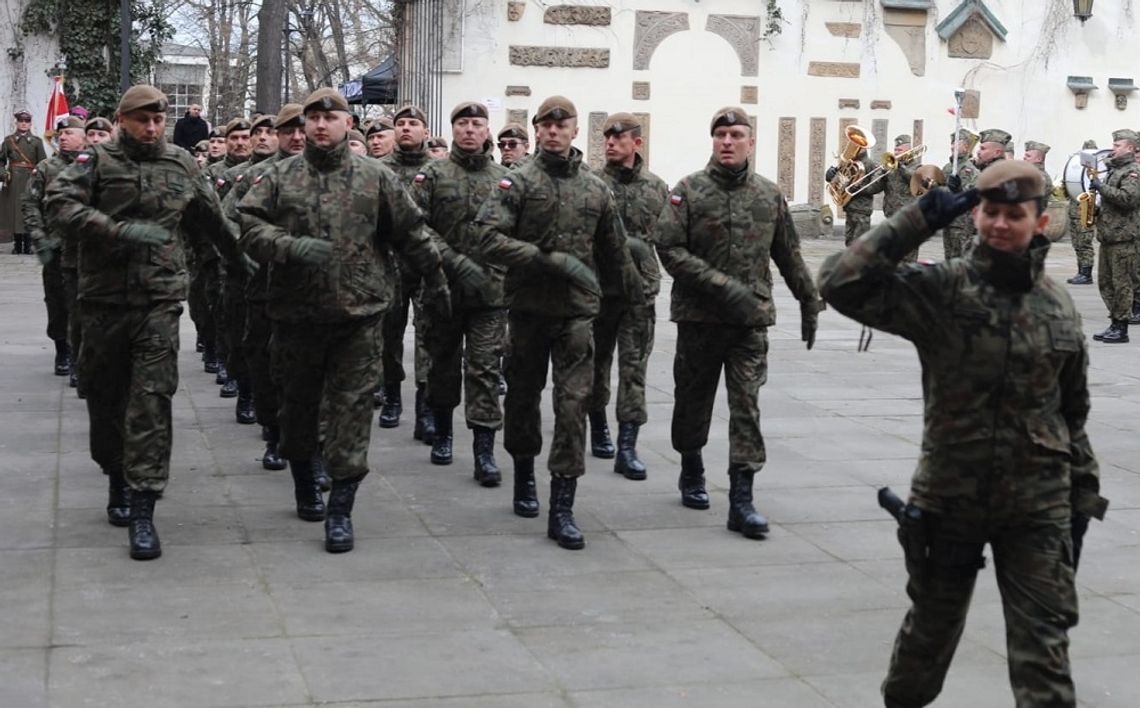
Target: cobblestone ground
point(450, 600)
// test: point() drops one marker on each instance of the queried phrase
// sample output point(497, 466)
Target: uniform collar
point(624, 174)
point(557, 165)
point(1121, 160)
point(1014, 272)
point(413, 157)
point(327, 159)
point(725, 177)
point(472, 161)
point(141, 152)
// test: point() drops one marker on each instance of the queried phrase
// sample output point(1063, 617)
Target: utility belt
point(22, 165)
point(928, 553)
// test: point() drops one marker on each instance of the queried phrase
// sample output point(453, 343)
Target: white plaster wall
point(695, 72)
point(24, 85)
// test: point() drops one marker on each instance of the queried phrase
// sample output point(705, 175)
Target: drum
point(1075, 177)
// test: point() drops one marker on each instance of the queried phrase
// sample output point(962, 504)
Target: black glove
point(144, 234)
point(831, 172)
point(437, 299)
point(1080, 523)
point(741, 303)
point(809, 321)
point(641, 250)
point(309, 250)
point(941, 206)
point(468, 276)
point(572, 269)
point(1095, 183)
point(954, 183)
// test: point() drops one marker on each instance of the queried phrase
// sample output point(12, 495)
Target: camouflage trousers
point(703, 349)
point(465, 358)
point(233, 301)
point(1033, 562)
point(630, 330)
point(256, 345)
point(567, 345)
point(1082, 239)
point(1115, 272)
point(327, 374)
point(55, 297)
point(395, 322)
point(74, 330)
point(855, 225)
point(129, 369)
point(204, 286)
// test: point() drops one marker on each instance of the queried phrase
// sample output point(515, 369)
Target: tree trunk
point(270, 23)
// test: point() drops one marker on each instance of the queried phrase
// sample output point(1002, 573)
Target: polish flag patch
point(676, 199)
point(420, 178)
point(505, 183)
point(257, 179)
point(82, 158)
point(238, 178)
point(220, 182)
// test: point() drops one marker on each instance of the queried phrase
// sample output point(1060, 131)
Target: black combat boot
point(321, 472)
point(62, 359)
point(244, 412)
point(1083, 276)
point(28, 250)
point(118, 498)
point(199, 345)
point(502, 384)
point(17, 246)
point(378, 397)
point(692, 481)
point(483, 445)
point(310, 504)
point(223, 375)
point(392, 408)
point(73, 380)
point(526, 496)
point(210, 363)
point(627, 463)
point(144, 536)
point(561, 525)
point(338, 521)
point(1117, 333)
point(600, 443)
point(1134, 317)
point(271, 460)
point(442, 439)
point(1099, 336)
point(742, 516)
point(425, 421)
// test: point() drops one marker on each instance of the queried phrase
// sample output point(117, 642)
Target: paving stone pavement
point(451, 601)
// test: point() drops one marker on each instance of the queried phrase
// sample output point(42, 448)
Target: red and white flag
point(57, 108)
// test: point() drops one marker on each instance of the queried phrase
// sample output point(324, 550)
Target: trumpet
point(851, 177)
point(1086, 203)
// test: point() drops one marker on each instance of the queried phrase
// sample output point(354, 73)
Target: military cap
point(1126, 134)
point(1089, 145)
point(263, 120)
point(202, 146)
point(995, 135)
point(236, 124)
point(437, 142)
point(1034, 145)
point(619, 123)
point(216, 132)
point(514, 130)
point(410, 111)
point(290, 116)
point(470, 109)
point(903, 140)
point(555, 108)
point(729, 115)
point(325, 99)
point(70, 122)
point(22, 115)
point(356, 135)
point(380, 125)
point(142, 97)
point(98, 123)
point(1011, 182)
point(963, 134)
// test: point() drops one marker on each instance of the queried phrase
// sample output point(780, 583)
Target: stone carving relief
point(879, 128)
point(577, 15)
point(786, 158)
point(849, 103)
point(749, 94)
point(916, 134)
point(596, 150)
point(851, 30)
point(515, 10)
point(643, 118)
point(817, 145)
point(518, 90)
point(517, 115)
point(743, 33)
point(973, 40)
point(880, 105)
point(574, 57)
point(971, 104)
point(752, 155)
point(908, 29)
point(834, 69)
point(641, 90)
point(650, 29)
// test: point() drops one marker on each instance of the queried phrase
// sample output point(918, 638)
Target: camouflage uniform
point(639, 195)
point(956, 237)
point(208, 276)
point(1081, 236)
point(552, 205)
point(896, 195)
point(1118, 219)
point(1005, 457)
point(465, 349)
point(326, 340)
point(55, 294)
point(129, 294)
point(857, 212)
point(718, 228)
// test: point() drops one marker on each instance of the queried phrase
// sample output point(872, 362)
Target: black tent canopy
point(378, 85)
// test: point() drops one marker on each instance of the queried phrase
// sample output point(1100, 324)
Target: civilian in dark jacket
point(191, 128)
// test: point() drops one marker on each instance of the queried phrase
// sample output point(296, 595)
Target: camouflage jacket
point(122, 181)
point(640, 196)
point(520, 162)
point(1118, 216)
point(864, 202)
point(406, 163)
point(552, 204)
point(241, 176)
point(896, 188)
point(355, 203)
point(450, 193)
point(969, 172)
point(33, 206)
point(1003, 369)
point(719, 225)
point(215, 173)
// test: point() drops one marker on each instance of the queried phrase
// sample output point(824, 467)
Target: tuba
point(851, 177)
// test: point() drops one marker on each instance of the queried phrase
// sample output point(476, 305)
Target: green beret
point(202, 146)
point(730, 115)
point(98, 123)
point(142, 97)
point(356, 135)
point(325, 99)
point(470, 109)
point(262, 120)
point(619, 123)
point(1011, 182)
point(380, 125)
point(70, 122)
point(555, 108)
point(514, 130)
point(904, 140)
point(437, 142)
point(410, 111)
point(290, 116)
point(236, 124)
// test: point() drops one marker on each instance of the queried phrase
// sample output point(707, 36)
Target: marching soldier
point(1118, 219)
point(381, 137)
point(327, 221)
point(513, 145)
point(19, 154)
point(993, 145)
point(896, 187)
point(1081, 237)
point(1005, 456)
point(123, 202)
point(407, 160)
point(554, 225)
point(48, 243)
point(465, 349)
point(957, 233)
point(717, 235)
point(639, 195)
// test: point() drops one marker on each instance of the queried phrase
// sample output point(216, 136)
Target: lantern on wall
point(1082, 9)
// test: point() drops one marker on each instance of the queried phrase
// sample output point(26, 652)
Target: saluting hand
point(941, 206)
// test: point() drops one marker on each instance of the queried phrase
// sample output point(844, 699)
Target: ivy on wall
point(88, 32)
point(773, 20)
